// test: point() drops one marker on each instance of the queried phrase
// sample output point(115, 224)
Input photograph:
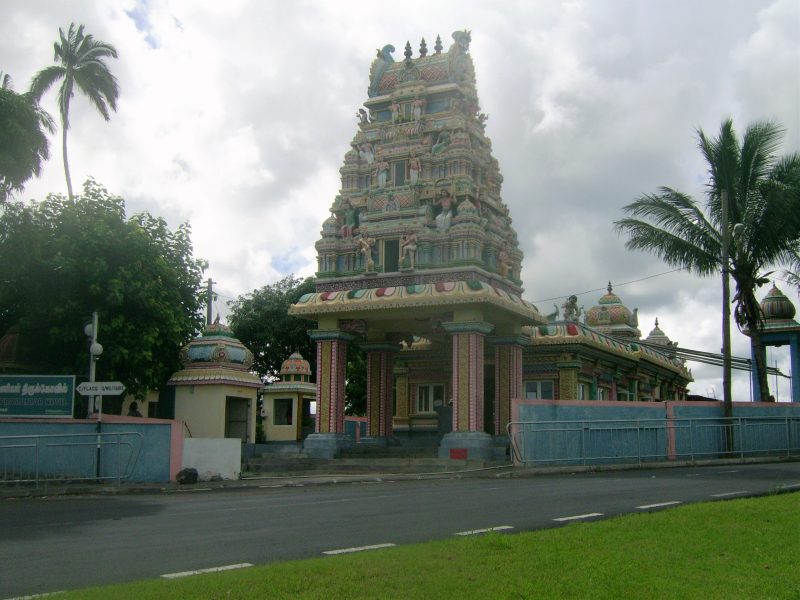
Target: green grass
point(748, 548)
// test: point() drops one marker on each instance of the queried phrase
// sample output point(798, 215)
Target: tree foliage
point(764, 219)
point(24, 146)
point(262, 322)
point(62, 258)
point(81, 65)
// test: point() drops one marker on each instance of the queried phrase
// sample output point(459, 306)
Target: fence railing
point(69, 457)
point(651, 440)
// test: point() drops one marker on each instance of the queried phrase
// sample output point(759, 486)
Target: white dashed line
point(487, 530)
point(209, 570)
point(577, 517)
point(358, 549)
point(658, 505)
point(739, 493)
point(32, 596)
point(734, 471)
point(789, 486)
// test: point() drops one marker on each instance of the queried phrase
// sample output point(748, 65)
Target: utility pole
point(727, 400)
point(95, 350)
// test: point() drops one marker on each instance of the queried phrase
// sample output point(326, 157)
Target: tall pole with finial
point(209, 300)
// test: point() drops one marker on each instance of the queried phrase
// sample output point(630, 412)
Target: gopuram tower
point(419, 250)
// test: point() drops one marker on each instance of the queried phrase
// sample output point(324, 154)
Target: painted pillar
point(331, 361)
point(380, 375)
point(507, 378)
point(468, 341)
point(568, 367)
point(401, 398)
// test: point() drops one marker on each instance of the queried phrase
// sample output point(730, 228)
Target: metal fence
point(71, 457)
point(590, 442)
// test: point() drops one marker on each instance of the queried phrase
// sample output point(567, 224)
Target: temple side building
point(420, 265)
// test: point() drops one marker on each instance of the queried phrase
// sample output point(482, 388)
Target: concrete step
point(277, 466)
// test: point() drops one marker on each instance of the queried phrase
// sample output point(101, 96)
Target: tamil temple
point(420, 265)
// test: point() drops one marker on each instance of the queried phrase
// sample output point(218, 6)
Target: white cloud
point(236, 116)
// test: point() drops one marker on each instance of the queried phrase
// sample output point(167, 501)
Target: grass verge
point(744, 548)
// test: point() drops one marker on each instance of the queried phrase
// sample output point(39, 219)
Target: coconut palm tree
point(24, 146)
point(763, 192)
point(82, 65)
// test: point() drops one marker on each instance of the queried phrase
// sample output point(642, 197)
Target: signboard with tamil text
point(36, 395)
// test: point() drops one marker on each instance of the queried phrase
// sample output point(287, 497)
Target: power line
point(615, 285)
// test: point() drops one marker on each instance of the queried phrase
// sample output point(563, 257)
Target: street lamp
point(95, 350)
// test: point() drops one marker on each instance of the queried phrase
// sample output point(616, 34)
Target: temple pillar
point(401, 398)
point(468, 439)
point(329, 436)
point(568, 367)
point(507, 378)
point(380, 375)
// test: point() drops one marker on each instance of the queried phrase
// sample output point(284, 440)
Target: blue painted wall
point(75, 456)
point(594, 433)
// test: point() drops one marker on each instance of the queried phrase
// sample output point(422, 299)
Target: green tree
point(63, 258)
point(82, 65)
point(24, 146)
point(763, 193)
point(262, 322)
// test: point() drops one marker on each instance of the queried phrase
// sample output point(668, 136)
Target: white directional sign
point(100, 388)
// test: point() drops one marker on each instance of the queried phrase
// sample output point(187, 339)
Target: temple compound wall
point(420, 266)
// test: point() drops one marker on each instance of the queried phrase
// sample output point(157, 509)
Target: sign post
point(100, 388)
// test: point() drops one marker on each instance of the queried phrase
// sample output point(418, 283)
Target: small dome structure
point(295, 368)
point(612, 317)
point(776, 306)
point(216, 346)
point(657, 336)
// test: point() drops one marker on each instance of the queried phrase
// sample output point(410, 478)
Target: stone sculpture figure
point(367, 153)
point(382, 172)
point(350, 220)
point(446, 201)
point(572, 311)
point(408, 247)
point(504, 261)
point(442, 142)
point(414, 169)
point(365, 244)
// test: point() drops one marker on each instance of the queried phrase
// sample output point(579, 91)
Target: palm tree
point(763, 192)
point(24, 146)
point(83, 65)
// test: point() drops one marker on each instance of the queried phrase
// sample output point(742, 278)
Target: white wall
point(214, 458)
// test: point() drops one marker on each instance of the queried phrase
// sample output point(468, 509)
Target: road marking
point(734, 471)
point(658, 505)
point(576, 517)
point(487, 530)
point(789, 486)
point(209, 570)
point(32, 596)
point(693, 474)
point(358, 549)
point(730, 494)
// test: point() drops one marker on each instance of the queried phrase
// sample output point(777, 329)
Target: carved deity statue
point(572, 311)
point(408, 247)
point(414, 169)
point(365, 244)
point(447, 202)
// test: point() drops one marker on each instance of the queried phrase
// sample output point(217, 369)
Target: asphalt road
point(59, 543)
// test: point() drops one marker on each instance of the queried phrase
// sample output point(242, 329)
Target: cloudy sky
point(235, 116)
